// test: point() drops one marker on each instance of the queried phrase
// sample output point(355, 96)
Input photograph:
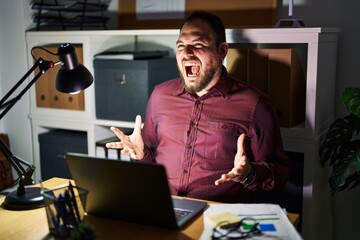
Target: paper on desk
point(272, 218)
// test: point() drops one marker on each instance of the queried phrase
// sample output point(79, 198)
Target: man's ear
point(223, 50)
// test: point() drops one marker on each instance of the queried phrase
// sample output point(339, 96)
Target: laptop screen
point(133, 191)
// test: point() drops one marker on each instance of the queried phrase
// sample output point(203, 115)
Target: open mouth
point(191, 69)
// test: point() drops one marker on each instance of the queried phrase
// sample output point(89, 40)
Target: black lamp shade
point(72, 76)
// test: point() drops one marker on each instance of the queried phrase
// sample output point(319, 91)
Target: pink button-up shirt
point(196, 139)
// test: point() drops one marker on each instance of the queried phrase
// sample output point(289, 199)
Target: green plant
point(84, 231)
point(341, 146)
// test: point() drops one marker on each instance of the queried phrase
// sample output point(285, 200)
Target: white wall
point(15, 18)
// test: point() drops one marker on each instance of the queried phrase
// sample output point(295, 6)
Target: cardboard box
point(276, 72)
point(237, 63)
point(234, 13)
point(258, 68)
point(287, 86)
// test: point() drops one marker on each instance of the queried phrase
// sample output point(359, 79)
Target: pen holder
point(64, 209)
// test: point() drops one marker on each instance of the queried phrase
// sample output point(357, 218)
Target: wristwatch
point(249, 177)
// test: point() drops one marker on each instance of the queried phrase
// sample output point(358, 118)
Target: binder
point(287, 86)
point(258, 67)
point(236, 63)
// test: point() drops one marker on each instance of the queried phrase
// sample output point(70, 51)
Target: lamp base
point(30, 200)
point(289, 23)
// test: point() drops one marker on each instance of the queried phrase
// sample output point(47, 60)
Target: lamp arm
point(24, 175)
point(5, 106)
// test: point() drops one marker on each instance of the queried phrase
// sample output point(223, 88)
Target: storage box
point(234, 14)
point(123, 87)
point(276, 72)
point(53, 147)
point(287, 86)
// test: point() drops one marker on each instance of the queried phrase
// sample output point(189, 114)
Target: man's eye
point(198, 45)
point(180, 47)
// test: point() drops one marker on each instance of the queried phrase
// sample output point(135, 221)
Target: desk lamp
point(71, 78)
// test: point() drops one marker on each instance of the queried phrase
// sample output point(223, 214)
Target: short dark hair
point(214, 22)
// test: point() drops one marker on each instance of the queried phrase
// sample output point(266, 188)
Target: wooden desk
point(32, 224)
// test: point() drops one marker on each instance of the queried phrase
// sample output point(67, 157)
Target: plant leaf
point(351, 100)
point(341, 146)
point(346, 168)
point(340, 132)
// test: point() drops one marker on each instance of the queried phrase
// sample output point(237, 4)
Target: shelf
point(319, 49)
point(67, 14)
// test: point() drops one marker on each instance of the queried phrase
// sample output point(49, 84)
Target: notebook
point(132, 191)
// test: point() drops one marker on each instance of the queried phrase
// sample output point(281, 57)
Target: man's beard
point(204, 81)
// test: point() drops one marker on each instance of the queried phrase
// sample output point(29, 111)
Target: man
point(218, 138)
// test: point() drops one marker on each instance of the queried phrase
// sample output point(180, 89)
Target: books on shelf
point(103, 151)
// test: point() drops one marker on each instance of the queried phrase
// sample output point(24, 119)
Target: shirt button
point(185, 171)
point(188, 146)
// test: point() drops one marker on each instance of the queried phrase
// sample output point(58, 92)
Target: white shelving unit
point(321, 45)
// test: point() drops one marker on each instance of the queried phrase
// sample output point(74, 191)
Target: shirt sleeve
point(270, 163)
point(149, 132)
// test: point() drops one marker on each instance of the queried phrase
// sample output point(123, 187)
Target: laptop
point(131, 191)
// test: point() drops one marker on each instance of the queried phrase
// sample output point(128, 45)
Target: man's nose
point(189, 50)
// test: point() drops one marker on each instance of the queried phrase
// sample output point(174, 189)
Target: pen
point(265, 219)
point(69, 209)
point(73, 198)
point(50, 212)
point(62, 210)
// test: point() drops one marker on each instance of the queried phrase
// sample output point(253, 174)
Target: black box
point(123, 87)
point(53, 147)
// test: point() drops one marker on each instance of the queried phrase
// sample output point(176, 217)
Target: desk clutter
point(255, 221)
point(70, 14)
point(65, 211)
point(34, 224)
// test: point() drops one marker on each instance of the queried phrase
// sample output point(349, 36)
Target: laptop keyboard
point(181, 213)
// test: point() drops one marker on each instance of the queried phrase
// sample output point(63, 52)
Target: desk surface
point(32, 224)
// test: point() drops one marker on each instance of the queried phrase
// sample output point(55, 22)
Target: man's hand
point(132, 145)
point(242, 167)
